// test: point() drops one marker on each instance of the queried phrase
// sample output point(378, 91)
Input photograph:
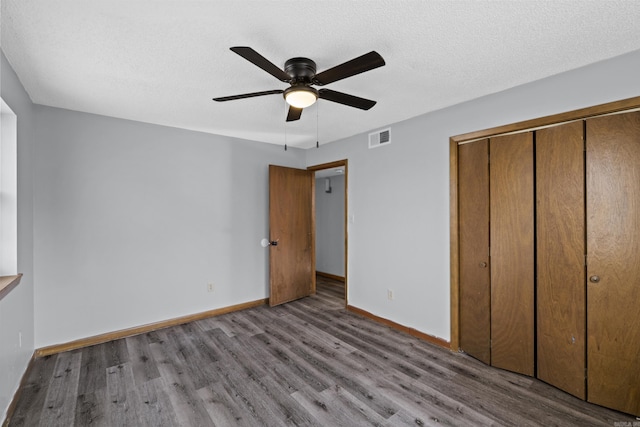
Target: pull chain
point(285, 128)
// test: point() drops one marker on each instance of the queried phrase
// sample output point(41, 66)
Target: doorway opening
point(330, 206)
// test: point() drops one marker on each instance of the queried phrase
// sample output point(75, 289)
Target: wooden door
point(613, 263)
point(512, 252)
point(291, 228)
point(561, 295)
point(473, 221)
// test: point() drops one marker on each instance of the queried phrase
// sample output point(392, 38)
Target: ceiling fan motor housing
point(301, 70)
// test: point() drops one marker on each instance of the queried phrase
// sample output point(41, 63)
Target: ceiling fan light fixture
point(300, 96)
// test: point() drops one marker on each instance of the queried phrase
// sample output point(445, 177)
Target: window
point(8, 191)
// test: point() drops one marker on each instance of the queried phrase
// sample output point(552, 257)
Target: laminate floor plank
point(156, 408)
point(347, 403)
point(327, 340)
point(153, 337)
point(91, 409)
point(335, 407)
point(208, 349)
point(290, 409)
point(238, 323)
point(306, 374)
point(320, 302)
point(309, 362)
point(326, 303)
point(93, 374)
point(222, 408)
point(216, 323)
point(288, 378)
point(401, 418)
point(306, 333)
point(336, 292)
point(29, 407)
point(262, 403)
point(60, 403)
point(142, 364)
point(188, 409)
point(189, 358)
point(331, 288)
point(116, 352)
point(571, 406)
point(122, 401)
point(179, 385)
point(234, 355)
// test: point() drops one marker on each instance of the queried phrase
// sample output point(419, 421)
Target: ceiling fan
point(300, 73)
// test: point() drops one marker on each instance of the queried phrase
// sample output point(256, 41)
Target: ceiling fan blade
point(294, 114)
point(346, 99)
point(248, 95)
point(358, 65)
point(262, 62)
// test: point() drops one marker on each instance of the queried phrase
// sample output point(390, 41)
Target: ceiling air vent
point(380, 138)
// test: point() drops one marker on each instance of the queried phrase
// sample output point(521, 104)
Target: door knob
point(594, 279)
point(265, 243)
point(483, 264)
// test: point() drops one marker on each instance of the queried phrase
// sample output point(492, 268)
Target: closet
point(549, 255)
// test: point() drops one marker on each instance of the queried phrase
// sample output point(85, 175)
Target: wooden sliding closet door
point(560, 232)
point(613, 263)
point(512, 252)
point(473, 220)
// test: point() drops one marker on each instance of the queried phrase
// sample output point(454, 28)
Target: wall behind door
point(330, 226)
point(134, 220)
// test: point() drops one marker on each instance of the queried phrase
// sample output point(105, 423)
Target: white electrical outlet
point(389, 294)
point(210, 287)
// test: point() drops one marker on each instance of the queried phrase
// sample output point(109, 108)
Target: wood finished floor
point(308, 363)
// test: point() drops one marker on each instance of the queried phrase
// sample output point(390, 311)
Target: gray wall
point(399, 194)
point(133, 221)
point(17, 308)
point(330, 226)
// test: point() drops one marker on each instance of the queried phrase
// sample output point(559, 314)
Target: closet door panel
point(512, 252)
point(473, 217)
point(561, 295)
point(613, 265)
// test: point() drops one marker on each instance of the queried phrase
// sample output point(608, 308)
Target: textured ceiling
point(162, 61)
